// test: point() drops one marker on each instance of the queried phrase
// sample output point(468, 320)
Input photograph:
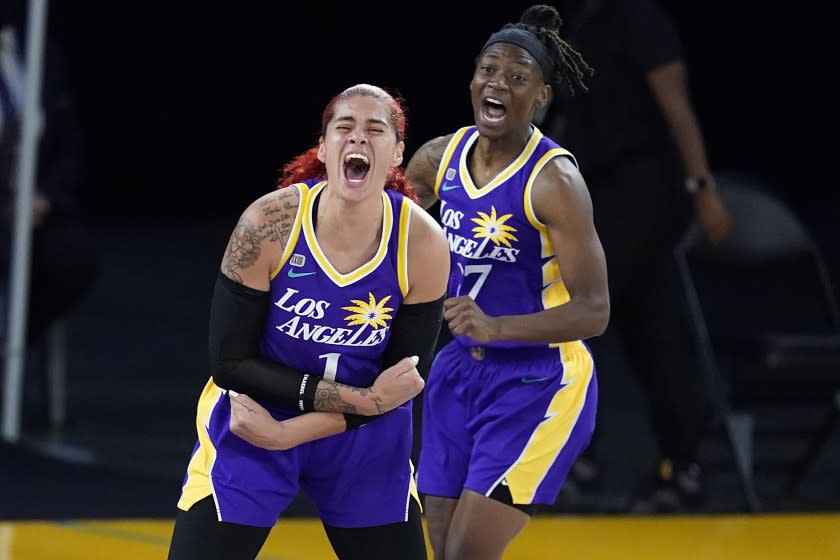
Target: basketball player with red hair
point(326, 282)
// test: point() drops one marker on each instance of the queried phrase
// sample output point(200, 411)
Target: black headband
point(529, 42)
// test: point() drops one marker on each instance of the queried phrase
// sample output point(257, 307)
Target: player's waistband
point(511, 354)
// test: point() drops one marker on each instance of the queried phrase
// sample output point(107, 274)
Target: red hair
point(308, 166)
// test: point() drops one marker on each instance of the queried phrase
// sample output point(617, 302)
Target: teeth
point(494, 100)
point(361, 157)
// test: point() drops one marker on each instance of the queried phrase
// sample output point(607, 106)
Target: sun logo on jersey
point(372, 313)
point(494, 228)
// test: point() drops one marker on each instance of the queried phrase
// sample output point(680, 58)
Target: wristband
point(695, 184)
point(306, 393)
point(356, 420)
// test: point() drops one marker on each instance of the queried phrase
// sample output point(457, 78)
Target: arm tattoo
point(281, 213)
point(329, 399)
point(427, 195)
point(433, 160)
point(243, 249)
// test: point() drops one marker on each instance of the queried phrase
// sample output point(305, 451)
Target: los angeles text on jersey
point(478, 250)
point(304, 326)
point(490, 227)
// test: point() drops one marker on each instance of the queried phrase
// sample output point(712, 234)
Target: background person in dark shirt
point(639, 144)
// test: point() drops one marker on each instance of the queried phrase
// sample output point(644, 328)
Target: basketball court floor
point(764, 537)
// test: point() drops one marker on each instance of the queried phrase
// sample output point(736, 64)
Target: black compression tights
point(403, 541)
point(198, 535)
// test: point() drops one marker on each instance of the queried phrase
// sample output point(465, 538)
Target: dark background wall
point(190, 109)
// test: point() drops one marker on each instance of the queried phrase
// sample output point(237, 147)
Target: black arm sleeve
point(237, 317)
point(414, 332)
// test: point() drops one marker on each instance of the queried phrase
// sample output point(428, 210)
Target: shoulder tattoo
point(432, 161)
point(274, 225)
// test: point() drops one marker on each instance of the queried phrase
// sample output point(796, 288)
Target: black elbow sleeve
point(414, 332)
point(237, 318)
point(237, 313)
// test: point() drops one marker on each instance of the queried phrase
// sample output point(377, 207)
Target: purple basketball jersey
point(331, 324)
point(501, 254)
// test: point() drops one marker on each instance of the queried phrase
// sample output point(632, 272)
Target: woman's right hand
point(396, 385)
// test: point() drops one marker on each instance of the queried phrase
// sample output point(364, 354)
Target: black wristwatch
point(695, 184)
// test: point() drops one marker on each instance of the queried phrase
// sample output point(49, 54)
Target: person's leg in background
point(639, 213)
point(660, 348)
point(626, 207)
point(64, 267)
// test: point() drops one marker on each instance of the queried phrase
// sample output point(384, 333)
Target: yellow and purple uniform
point(510, 413)
point(334, 325)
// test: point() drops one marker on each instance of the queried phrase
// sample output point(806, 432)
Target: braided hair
point(569, 66)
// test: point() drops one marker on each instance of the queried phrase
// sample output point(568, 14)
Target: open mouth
point(493, 109)
point(356, 167)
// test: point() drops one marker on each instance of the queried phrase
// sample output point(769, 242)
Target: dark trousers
point(640, 212)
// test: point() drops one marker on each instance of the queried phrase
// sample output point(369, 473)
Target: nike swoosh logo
point(534, 379)
point(448, 187)
point(292, 274)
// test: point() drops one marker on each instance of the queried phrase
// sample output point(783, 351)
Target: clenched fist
point(466, 318)
point(396, 385)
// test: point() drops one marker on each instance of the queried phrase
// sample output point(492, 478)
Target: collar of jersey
point(473, 191)
point(325, 264)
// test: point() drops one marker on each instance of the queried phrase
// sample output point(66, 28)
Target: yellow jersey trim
point(198, 484)
point(474, 192)
point(554, 291)
point(338, 278)
point(412, 491)
point(529, 185)
point(548, 439)
point(295, 233)
point(447, 157)
point(402, 245)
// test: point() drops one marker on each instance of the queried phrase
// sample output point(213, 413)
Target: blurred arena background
point(186, 111)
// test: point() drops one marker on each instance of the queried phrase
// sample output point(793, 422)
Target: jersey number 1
point(331, 368)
